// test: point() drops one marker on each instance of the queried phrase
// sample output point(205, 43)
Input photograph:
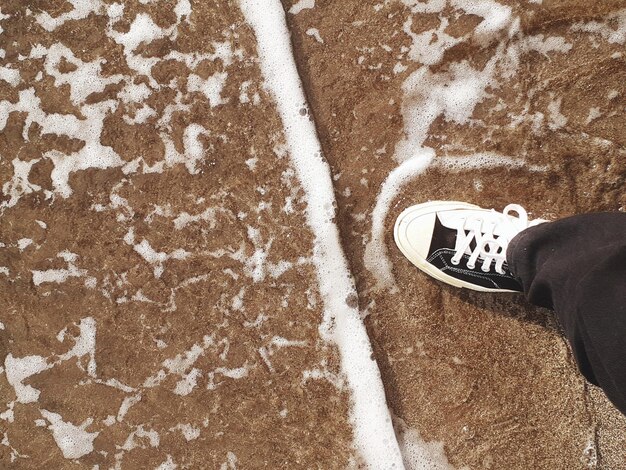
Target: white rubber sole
point(405, 230)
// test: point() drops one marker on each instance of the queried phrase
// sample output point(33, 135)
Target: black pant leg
point(577, 267)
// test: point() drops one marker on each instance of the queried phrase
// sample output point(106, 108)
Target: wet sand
point(161, 300)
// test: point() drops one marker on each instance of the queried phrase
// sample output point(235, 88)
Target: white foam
point(496, 17)
point(189, 432)
point(182, 362)
point(223, 51)
point(183, 9)
point(85, 80)
point(208, 215)
point(255, 264)
point(484, 160)
point(453, 94)
point(144, 30)
point(252, 161)
point(373, 432)
point(134, 93)
point(11, 76)
point(130, 443)
point(74, 441)
point(556, 119)
point(194, 150)
point(18, 185)
point(168, 464)
point(426, 50)
point(92, 155)
point(429, 6)
point(233, 373)
point(189, 381)
point(19, 369)
point(126, 405)
point(84, 344)
point(375, 257)
point(314, 32)
point(59, 275)
point(149, 254)
point(81, 9)
point(181, 365)
point(418, 454)
point(231, 462)
point(24, 243)
point(141, 115)
point(544, 45)
point(211, 87)
point(594, 113)
point(614, 35)
point(301, 5)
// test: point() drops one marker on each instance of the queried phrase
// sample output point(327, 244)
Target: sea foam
point(373, 430)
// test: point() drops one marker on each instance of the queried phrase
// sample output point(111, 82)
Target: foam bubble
point(496, 17)
point(429, 6)
point(84, 344)
point(426, 50)
point(544, 45)
point(189, 432)
point(314, 32)
point(19, 369)
point(375, 257)
point(81, 9)
point(211, 87)
point(11, 76)
point(74, 441)
point(168, 464)
point(58, 275)
point(418, 454)
point(301, 5)
point(341, 322)
point(605, 29)
point(194, 150)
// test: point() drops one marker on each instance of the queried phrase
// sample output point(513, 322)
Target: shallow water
point(188, 237)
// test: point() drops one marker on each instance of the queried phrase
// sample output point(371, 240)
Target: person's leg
point(577, 266)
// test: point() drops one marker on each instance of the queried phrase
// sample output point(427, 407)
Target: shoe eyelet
point(471, 266)
point(454, 261)
point(485, 270)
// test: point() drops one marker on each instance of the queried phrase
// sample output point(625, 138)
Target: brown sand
point(214, 311)
point(489, 376)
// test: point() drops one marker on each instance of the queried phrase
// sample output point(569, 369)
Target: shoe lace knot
point(491, 235)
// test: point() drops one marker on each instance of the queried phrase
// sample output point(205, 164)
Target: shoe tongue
point(443, 237)
point(451, 220)
point(472, 245)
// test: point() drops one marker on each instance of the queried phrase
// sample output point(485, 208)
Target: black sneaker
point(462, 244)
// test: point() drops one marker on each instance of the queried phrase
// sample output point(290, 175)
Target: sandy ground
point(160, 304)
point(489, 376)
point(166, 311)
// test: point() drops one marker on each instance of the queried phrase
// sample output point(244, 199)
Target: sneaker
point(462, 244)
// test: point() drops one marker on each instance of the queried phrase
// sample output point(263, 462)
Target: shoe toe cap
point(413, 233)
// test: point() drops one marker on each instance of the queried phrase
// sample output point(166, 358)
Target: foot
point(462, 244)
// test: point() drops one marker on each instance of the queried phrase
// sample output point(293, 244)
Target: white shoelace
point(490, 248)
